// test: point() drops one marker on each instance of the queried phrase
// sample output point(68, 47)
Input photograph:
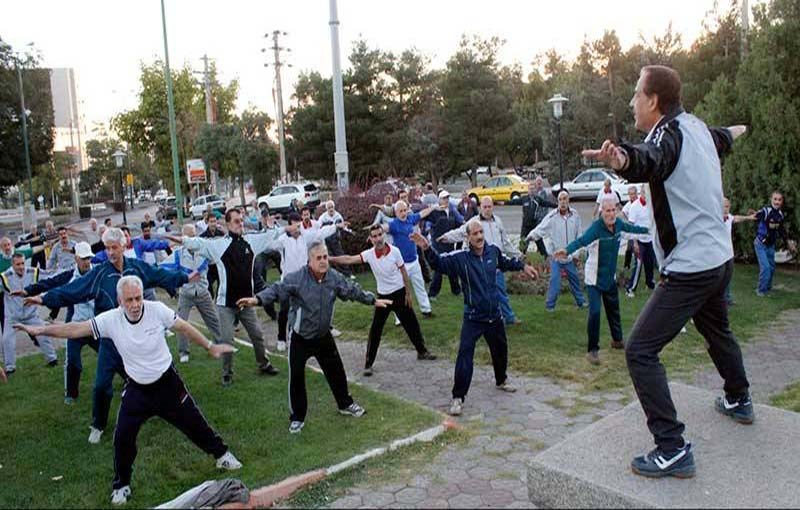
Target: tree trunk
point(241, 189)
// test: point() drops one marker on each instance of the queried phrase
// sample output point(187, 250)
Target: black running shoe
point(740, 409)
point(268, 369)
point(658, 464)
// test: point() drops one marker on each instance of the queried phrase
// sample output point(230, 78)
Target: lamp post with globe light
point(119, 158)
point(558, 111)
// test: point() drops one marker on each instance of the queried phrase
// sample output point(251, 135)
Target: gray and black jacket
point(311, 300)
point(680, 159)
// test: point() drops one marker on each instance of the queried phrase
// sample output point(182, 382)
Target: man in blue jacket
point(100, 284)
point(439, 222)
point(476, 267)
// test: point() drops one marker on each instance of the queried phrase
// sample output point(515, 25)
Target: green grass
point(554, 344)
point(788, 398)
point(40, 438)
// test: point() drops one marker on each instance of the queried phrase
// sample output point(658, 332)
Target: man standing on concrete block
point(680, 160)
point(476, 267)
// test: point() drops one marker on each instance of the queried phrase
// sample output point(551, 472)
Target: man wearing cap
point(439, 222)
point(75, 313)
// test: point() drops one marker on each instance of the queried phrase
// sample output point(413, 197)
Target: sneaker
point(593, 357)
point(268, 369)
point(120, 496)
point(617, 344)
point(352, 277)
point(658, 464)
point(353, 410)
point(507, 387)
point(281, 346)
point(741, 409)
point(295, 427)
point(426, 356)
point(582, 306)
point(515, 322)
point(630, 294)
point(52, 363)
point(94, 435)
point(684, 330)
point(335, 333)
point(367, 372)
point(456, 407)
point(68, 401)
point(427, 315)
point(227, 380)
point(184, 358)
point(396, 321)
point(228, 462)
point(761, 294)
point(10, 371)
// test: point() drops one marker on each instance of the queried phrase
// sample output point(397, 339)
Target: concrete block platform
point(738, 466)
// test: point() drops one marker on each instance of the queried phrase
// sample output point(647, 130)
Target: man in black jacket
point(439, 222)
point(535, 207)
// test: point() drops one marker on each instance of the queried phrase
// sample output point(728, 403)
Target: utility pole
point(340, 156)
point(277, 64)
point(210, 115)
point(745, 28)
point(173, 137)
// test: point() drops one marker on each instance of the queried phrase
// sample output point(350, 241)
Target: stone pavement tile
point(411, 495)
point(433, 503)
point(465, 501)
point(378, 499)
point(482, 473)
point(521, 493)
point(509, 484)
point(476, 486)
point(497, 498)
point(444, 491)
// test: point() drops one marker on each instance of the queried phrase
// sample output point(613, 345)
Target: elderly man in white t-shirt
point(386, 263)
point(606, 193)
point(154, 387)
point(638, 213)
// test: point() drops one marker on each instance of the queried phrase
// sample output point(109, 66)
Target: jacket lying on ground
point(311, 301)
point(680, 160)
point(478, 277)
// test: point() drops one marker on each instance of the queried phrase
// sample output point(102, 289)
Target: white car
point(202, 202)
point(589, 183)
point(280, 198)
point(160, 195)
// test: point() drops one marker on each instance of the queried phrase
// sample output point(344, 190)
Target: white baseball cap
point(444, 194)
point(83, 250)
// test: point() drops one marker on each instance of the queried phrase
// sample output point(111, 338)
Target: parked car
point(202, 202)
point(503, 188)
point(589, 182)
point(160, 194)
point(169, 209)
point(280, 198)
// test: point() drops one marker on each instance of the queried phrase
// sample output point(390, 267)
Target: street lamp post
point(173, 137)
point(119, 158)
point(340, 158)
point(558, 111)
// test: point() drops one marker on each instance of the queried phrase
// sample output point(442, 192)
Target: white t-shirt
point(639, 215)
point(386, 269)
point(142, 345)
point(602, 195)
point(729, 223)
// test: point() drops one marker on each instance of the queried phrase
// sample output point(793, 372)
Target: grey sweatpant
point(10, 340)
point(248, 319)
point(201, 299)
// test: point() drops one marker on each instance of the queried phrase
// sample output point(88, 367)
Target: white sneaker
point(353, 410)
point(630, 294)
point(507, 387)
point(228, 462)
point(456, 407)
point(184, 358)
point(94, 438)
point(295, 427)
point(281, 346)
point(335, 333)
point(120, 496)
point(683, 330)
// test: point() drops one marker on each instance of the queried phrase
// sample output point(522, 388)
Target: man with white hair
point(602, 242)
point(154, 387)
point(560, 227)
point(15, 278)
point(442, 220)
point(535, 206)
point(401, 228)
point(639, 214)
point(100, 285)
point(606, 193)
point(311, 293)
point(93, 235)
point(334, 243)
point(193, 294)
point(495, 234)
point(76, 313)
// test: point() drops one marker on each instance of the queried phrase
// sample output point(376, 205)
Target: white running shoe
point(353, 410)
point(335, 333)
point(507, 387)
point(456, 407)
point(184, 358)
point(228, 462)
point(94, 437)
point(683, 330)
point(120, 496)
point(281, 346)
point(295, 427)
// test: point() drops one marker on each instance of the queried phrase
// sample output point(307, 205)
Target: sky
point(105, 40)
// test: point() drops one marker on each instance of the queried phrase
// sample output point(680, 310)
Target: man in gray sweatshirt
point(312, 292)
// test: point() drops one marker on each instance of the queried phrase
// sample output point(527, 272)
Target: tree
point(38, 100)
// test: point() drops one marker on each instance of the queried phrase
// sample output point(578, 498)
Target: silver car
point(589, 183)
